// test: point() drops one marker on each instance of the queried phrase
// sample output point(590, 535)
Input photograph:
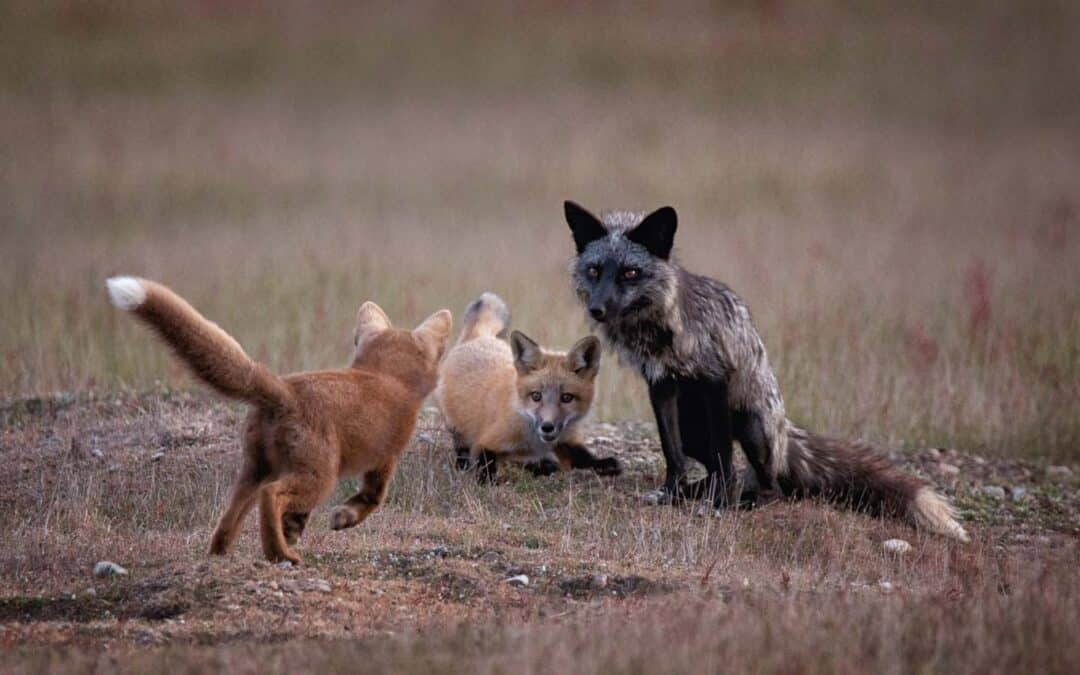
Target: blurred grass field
point(895, 191)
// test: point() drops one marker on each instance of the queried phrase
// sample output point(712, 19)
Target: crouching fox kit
point(710, 381)
point(516, 400)
point(305, 431)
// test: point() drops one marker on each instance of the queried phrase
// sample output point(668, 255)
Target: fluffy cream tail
point(487, 316)
point(855, 473)
point(211, 353)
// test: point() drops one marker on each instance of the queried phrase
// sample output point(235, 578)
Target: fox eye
point(566, 398)
point(593, 271)
point(631, 273)
point(536, 396)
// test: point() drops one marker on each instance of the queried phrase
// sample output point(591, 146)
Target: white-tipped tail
point(930, 511)
point(127, 293)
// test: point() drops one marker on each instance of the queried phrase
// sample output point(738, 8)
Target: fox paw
point(543, 467)
point(342, 517)
point(661, 496)
point(609, 466)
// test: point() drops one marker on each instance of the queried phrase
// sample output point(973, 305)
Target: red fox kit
point(517, 400)
point(307, 430)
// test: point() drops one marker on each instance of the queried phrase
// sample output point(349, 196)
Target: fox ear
point(526, 353)
point(435, 330)
point(585, 227)
point(584, 357)
point(656, 232)
point(370, 319)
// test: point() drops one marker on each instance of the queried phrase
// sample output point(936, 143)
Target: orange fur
point(487, 388)
point(307, 430)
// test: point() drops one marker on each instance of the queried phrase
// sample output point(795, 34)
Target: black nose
point(597, 313)
point(547, 427)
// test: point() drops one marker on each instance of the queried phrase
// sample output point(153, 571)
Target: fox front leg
point(664, 396)
point(577, 456)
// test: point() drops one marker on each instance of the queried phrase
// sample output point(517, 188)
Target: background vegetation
point(892, 187)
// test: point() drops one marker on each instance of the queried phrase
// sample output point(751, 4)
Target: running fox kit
point(710, 382)
point(516, 400)
point(305, 431)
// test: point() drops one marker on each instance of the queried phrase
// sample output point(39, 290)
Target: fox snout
point(548, 430)
point(600, 302)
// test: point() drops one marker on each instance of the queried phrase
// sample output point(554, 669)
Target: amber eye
point(536, 396)
point(630, 273)
point(593, 272)
point(566, 398)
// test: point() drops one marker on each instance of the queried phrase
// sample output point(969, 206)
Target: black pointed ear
point(526, 352)
point(656, 232)
point(584, 357)
point(585, 226)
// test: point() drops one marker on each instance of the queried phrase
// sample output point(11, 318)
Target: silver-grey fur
point(670, 322)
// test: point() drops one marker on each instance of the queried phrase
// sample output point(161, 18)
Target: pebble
point(994, 491)
point(897, 546)
point(319, 585)
point(948, 469)
point(105, 568)
point(96, 452)
point(518, 580)
point(1058, 472)
point(1019, 493)
point(285, 565)
point(885, 586)
point(425, 438)
point(90, 592)
point(157, 457)
point(934, 452)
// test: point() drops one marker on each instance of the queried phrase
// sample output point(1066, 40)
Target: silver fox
point(710, 382)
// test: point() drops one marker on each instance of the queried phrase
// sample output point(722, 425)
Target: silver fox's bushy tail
point(211, 353)
point(486, 316)
point(854, 473)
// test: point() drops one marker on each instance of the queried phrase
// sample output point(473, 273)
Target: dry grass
point(420, 586)
point(894, 199)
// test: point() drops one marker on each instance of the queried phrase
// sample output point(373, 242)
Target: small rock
point(90, 592)
point(885, 586)
point(1019, 493)
point(105, 569)
point(994, 491)
point(97, 453)
point(518, 580)
point(320, 586)
point(425, 438)
point(157, 457)
point(948, 469)
point(897, 546)
point(285, 565)
point(1058, 472)
point(934, 453)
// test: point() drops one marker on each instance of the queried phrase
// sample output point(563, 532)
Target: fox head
point(554, 390)
point(411, 356)
point(623, 261)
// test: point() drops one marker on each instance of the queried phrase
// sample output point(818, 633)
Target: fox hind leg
point(245, 492)
point(363, 503)
point(749, 430)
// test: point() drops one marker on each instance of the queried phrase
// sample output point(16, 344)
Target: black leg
point(719, 451)
point(579, 457)
point(664, 396)
point(462, 459)
point(486, 466)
